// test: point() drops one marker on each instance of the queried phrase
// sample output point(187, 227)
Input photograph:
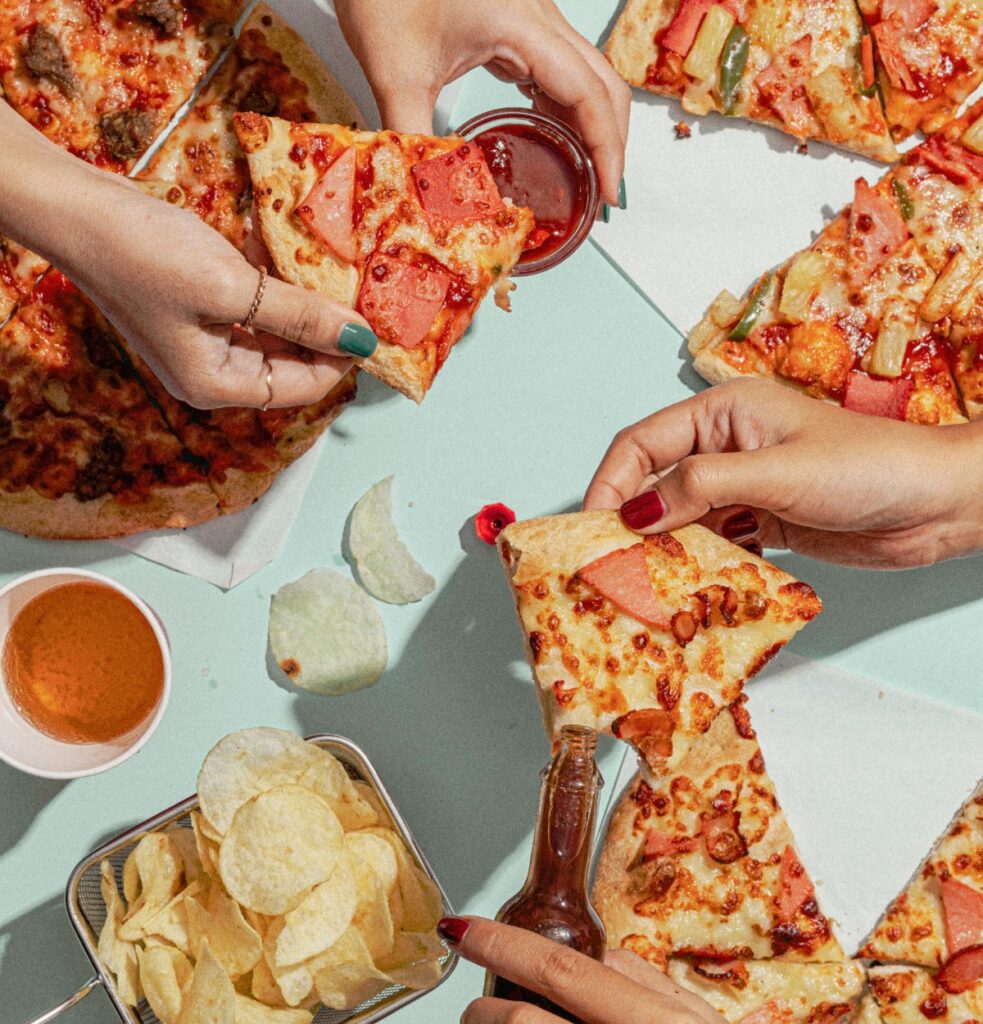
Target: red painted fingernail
point(452, 929)
point(741, 524)
point(754, 547)
point(643, 510)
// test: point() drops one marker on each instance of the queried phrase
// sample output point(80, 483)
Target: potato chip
point(280, 845)
point(248, 1011)
point(346, 975)
point(326, 634)
point(294, 981)
point(330, 781)
point(163, 974)
point(371, 797)
point(373, 916)
point(210, 997)
point(412, 948)
point(379, 855)
point(131, 878)
point(119, 957)
point(235, 943)
point(384, 564)
point(183, 840)
point(207, 848)
point(245, 764)
point(171, 923)
point(160, 870)
point(424, 974)
point(421, 902)
point(320, 919)
point(264, 986)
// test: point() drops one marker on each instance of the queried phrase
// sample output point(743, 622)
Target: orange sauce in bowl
point(82, 664)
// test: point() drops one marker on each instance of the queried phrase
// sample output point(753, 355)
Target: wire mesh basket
point(87, 911)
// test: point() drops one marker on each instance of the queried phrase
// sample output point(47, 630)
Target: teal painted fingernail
point(605, 213)
point(622, 196)
point(357, 340)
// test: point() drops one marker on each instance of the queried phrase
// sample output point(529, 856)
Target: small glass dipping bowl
point(539, 162)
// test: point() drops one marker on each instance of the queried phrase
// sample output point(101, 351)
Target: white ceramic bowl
point(25, 747)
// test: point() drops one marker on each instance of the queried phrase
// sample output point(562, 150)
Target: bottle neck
point(565, 827)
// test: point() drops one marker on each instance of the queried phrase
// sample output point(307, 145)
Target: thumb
point(313, 321)
point(409, 110)
point(700, 483)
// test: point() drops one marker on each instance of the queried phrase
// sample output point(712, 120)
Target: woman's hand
point(765, 466)
point(411, 50)
point(624, 988)
point(171, 285)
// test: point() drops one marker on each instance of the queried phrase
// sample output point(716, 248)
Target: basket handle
point(56, 1011)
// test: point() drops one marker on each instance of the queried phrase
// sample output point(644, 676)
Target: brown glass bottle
point(554, 901)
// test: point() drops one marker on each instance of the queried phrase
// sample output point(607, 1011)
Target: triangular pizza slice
point(937, 920)
point(913, 995)
point(805, 68)
point(702, 863)
point(649, 638)
point(776, 992)
point(408, 229)
point(929, 55)
point(862, 316)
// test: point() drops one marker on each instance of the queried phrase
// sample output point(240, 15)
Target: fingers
point(313, 321)
point(594, 993)
point(560, 70)
point(408, 110)
point(743, 414)
point(631, 965)
point(700, 483)
point(504, 1011)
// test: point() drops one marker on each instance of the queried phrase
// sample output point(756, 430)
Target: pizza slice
point(776, 992)
point(804, 68)
point(938, 920)
point(917, 996)
point(858, 318)
point(647, 639)
point(702, 863)
point(929, 57)
point(200, 165)
point(19, 270)
point(84, 453)
point(102, 79)
point(408, 229)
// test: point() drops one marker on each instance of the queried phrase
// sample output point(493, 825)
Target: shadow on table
point(459, 744)
point(25, 554)
point(30, 943)
point(859, 603)
point(21, 798)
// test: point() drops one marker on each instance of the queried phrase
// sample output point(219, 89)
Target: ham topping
point(327, 210)
point(794, 886)
point(680, 34)
point(457, 187)
point(877, 229)
point(887, 398)
point(956, 162)
point(400, 300)
point(962, 971)
point(622, 577)
point(782, 86)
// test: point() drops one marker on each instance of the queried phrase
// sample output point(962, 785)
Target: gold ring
point(257, 299)
point(269, 383)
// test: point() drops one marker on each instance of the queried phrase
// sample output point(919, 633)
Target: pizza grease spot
point(290, 668)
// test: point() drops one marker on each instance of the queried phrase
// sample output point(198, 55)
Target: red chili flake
point(491, 520)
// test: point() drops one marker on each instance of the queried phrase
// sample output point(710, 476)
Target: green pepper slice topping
point(903, 197)
point(754, 308)
point(732, 61)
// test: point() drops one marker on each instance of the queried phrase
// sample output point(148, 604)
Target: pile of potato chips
point(290, 890)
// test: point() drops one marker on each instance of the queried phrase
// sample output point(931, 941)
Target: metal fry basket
point(87, 911)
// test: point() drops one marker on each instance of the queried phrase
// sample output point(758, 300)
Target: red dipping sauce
point(538, 162)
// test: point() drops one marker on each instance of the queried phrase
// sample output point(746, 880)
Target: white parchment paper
point(230, 549)
point(868, 776)
point(717, 209)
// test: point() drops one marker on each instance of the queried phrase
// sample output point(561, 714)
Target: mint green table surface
point(521, 414)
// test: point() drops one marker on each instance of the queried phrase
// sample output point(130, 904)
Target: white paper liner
point(869, 777)
point(230, 549)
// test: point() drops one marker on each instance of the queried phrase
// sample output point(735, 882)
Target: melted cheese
point(905, 994)
point(792, 992)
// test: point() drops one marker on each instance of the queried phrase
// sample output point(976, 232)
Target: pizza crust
point(329, 101)
point(66, 518)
